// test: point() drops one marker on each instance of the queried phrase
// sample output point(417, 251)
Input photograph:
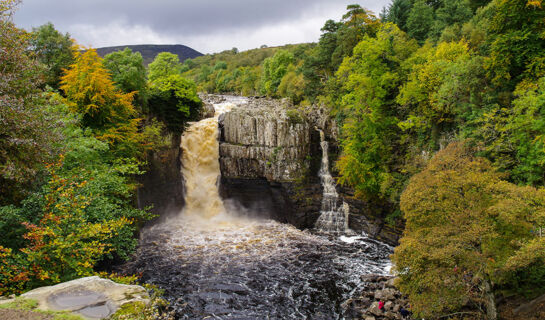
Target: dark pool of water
point(243, 269)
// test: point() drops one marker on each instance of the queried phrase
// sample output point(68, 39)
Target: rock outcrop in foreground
point(91, 297)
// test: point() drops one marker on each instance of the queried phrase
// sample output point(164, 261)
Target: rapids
point(214, 262)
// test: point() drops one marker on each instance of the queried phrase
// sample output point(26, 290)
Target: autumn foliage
point(468, 234)
point(63, 245)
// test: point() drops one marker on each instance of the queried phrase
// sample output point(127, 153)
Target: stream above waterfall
point(215, 262)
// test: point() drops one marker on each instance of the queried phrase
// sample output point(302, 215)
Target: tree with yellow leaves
point(91, 92)
point(469, 234)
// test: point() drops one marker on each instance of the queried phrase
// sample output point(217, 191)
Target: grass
point(23, 304)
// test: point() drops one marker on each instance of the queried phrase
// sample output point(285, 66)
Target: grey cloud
point(179, 18)
point(195, 16)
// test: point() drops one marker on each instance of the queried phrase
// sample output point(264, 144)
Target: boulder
point(91, 297)
point(385, 294)
point(391, 315)
point(388, 305)
point(390, 283)
point(375, 310)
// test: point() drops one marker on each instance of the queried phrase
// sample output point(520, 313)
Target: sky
point(207, 26)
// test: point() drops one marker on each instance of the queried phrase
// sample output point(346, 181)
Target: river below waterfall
point(216, 263)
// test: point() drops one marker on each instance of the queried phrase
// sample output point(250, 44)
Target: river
point(217, 263)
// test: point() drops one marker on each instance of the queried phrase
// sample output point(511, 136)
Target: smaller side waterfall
point(333, 218)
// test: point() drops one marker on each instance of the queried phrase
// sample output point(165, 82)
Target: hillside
point(149, 51)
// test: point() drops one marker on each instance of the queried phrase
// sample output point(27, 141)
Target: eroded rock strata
point(270, 156)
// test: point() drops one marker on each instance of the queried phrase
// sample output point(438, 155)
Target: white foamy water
point(333, 218)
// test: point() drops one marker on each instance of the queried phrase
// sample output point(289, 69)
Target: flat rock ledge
point(92, 297)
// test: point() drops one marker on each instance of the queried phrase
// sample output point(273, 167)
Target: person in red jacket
point(381, 306)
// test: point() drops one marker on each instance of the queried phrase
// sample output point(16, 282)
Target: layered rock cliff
point(261, 141)
point(270, 156)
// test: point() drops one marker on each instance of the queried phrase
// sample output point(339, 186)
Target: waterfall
point(215, 262)
point(200, 166)
point(333, 218)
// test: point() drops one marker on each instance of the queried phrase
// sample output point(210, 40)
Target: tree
point(26, 135)
point(128, 73)
point(445, 88)
point(54, 50)
point(466, 230)
point(451, 14)
point(398, 13)
point(173, 99)
point(420, 21)
point(292, 85)
point(355, 24)
point(518, 34)
point(514, 138)
point(164, 64)
point(274, 69)
point(369, 82)
point(92, 94)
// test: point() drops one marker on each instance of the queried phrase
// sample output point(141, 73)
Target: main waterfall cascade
point(213, 262)
point(201, 168)
point(333, 218)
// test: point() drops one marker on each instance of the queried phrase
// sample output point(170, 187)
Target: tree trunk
point(490, 303)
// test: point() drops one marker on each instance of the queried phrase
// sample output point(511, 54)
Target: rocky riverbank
point(365, 303)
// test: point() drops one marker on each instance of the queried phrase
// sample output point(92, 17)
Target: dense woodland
point(75, 132)
point(441, 112)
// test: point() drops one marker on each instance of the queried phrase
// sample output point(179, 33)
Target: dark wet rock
point(162, 184)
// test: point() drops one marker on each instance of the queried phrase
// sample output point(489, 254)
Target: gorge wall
point(270, 156)
point(161, 187)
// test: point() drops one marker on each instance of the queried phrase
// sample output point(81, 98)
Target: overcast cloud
point(205, 25)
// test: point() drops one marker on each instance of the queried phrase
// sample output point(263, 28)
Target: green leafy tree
point(369, 83)
point(164, 64)
point(54, 50)
point(420, 20)
point(445, 88)
point(128, 73)
point(452, 14)
point(274, 69)
point(355, 24)
point(513, 138)
point(518, 34)
point(398, 13)
point(173, 98)
point(26, 138)
point(467, 233)
point(292, 85)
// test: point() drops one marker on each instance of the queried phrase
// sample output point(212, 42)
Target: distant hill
point(149, 51)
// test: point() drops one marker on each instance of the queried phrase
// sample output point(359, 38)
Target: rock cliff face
point(262, 142)
point(265, 157)
point(269, 158)
point(162, 184)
